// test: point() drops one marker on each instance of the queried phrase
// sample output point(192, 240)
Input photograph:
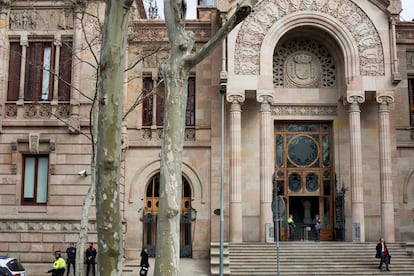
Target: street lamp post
point(223, 93)
point(278, 208)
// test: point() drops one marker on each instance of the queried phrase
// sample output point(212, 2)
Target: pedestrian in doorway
point(383, 254)
point(71, 258)
point(317, 227)
point(144, 262)
point(292, 227)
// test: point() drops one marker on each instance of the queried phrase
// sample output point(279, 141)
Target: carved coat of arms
point(303, 70)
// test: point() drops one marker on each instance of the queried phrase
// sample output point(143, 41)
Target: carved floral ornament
point(349, 15)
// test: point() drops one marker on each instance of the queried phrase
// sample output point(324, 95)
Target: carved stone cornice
point(304, 110)
point(22, 226)
point(382, 4)
point(405, 32)
point(152, 31)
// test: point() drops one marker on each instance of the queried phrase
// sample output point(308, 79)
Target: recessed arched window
point(303, 63)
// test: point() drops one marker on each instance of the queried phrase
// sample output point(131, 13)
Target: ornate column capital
point(58, 40)
point(384, 99)
point(264, 96)
point(354, 99)
point(24, 40)
point(235, 96)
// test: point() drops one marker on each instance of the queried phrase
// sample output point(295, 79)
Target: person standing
point(317, 227)
point(144, 262)
point(292, 226)
point(59, 265)
point(383, 254)
point(71, 258)
point(90, 255)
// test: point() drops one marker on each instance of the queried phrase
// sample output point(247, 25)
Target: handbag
point(143, 271)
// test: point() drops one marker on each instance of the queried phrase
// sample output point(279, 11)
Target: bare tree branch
point(141, 98)
point(242, 11)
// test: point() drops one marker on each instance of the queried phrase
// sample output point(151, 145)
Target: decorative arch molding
point(343, 40)
point(347, 15)
point(144, 175)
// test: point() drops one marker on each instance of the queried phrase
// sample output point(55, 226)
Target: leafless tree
point(175, 72)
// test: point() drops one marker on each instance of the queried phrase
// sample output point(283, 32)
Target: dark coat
point(379, 248)
point(71, 253)
point(144, 259)
point(90, 255)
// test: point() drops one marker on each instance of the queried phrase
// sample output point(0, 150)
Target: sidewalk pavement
point(188, 267)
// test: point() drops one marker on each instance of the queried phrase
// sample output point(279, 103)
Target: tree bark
point(108, 151)
point(175, 72)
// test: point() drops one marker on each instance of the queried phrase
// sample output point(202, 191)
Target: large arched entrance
point(151, 211)
point(304, 175)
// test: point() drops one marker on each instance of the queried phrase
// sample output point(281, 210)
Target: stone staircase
point(309, 258)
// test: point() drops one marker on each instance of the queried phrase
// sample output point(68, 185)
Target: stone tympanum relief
point(39, 19)
point(303, 63)
point(345, 12)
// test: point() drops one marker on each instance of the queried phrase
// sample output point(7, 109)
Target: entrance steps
point(309, 258)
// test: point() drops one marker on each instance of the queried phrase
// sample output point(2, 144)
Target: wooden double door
point(304, 176)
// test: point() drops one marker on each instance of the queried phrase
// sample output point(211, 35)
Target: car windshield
point(14, 265)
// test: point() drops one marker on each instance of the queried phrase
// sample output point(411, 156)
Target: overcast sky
point(408, 10)
point(407, 14)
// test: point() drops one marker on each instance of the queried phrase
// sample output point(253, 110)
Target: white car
point(11, 267)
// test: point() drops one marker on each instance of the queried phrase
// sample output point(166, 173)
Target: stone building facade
point(319, 109)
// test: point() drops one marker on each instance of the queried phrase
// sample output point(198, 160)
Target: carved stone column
point(387, 205)
point(74, 123)
point(266, 155)
point(4, 11)
point(357, 190)
point(236, 214)
point(58, 45)
point(24, 43)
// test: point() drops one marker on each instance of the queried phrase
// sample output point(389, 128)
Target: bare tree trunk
point(175, 72)
point(83, 233)
point(108, 151)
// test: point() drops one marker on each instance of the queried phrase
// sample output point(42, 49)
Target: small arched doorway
point(151, 211)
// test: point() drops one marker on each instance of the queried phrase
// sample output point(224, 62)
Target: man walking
point(383, 254)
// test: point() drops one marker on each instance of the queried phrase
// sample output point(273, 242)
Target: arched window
point(152, 194)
